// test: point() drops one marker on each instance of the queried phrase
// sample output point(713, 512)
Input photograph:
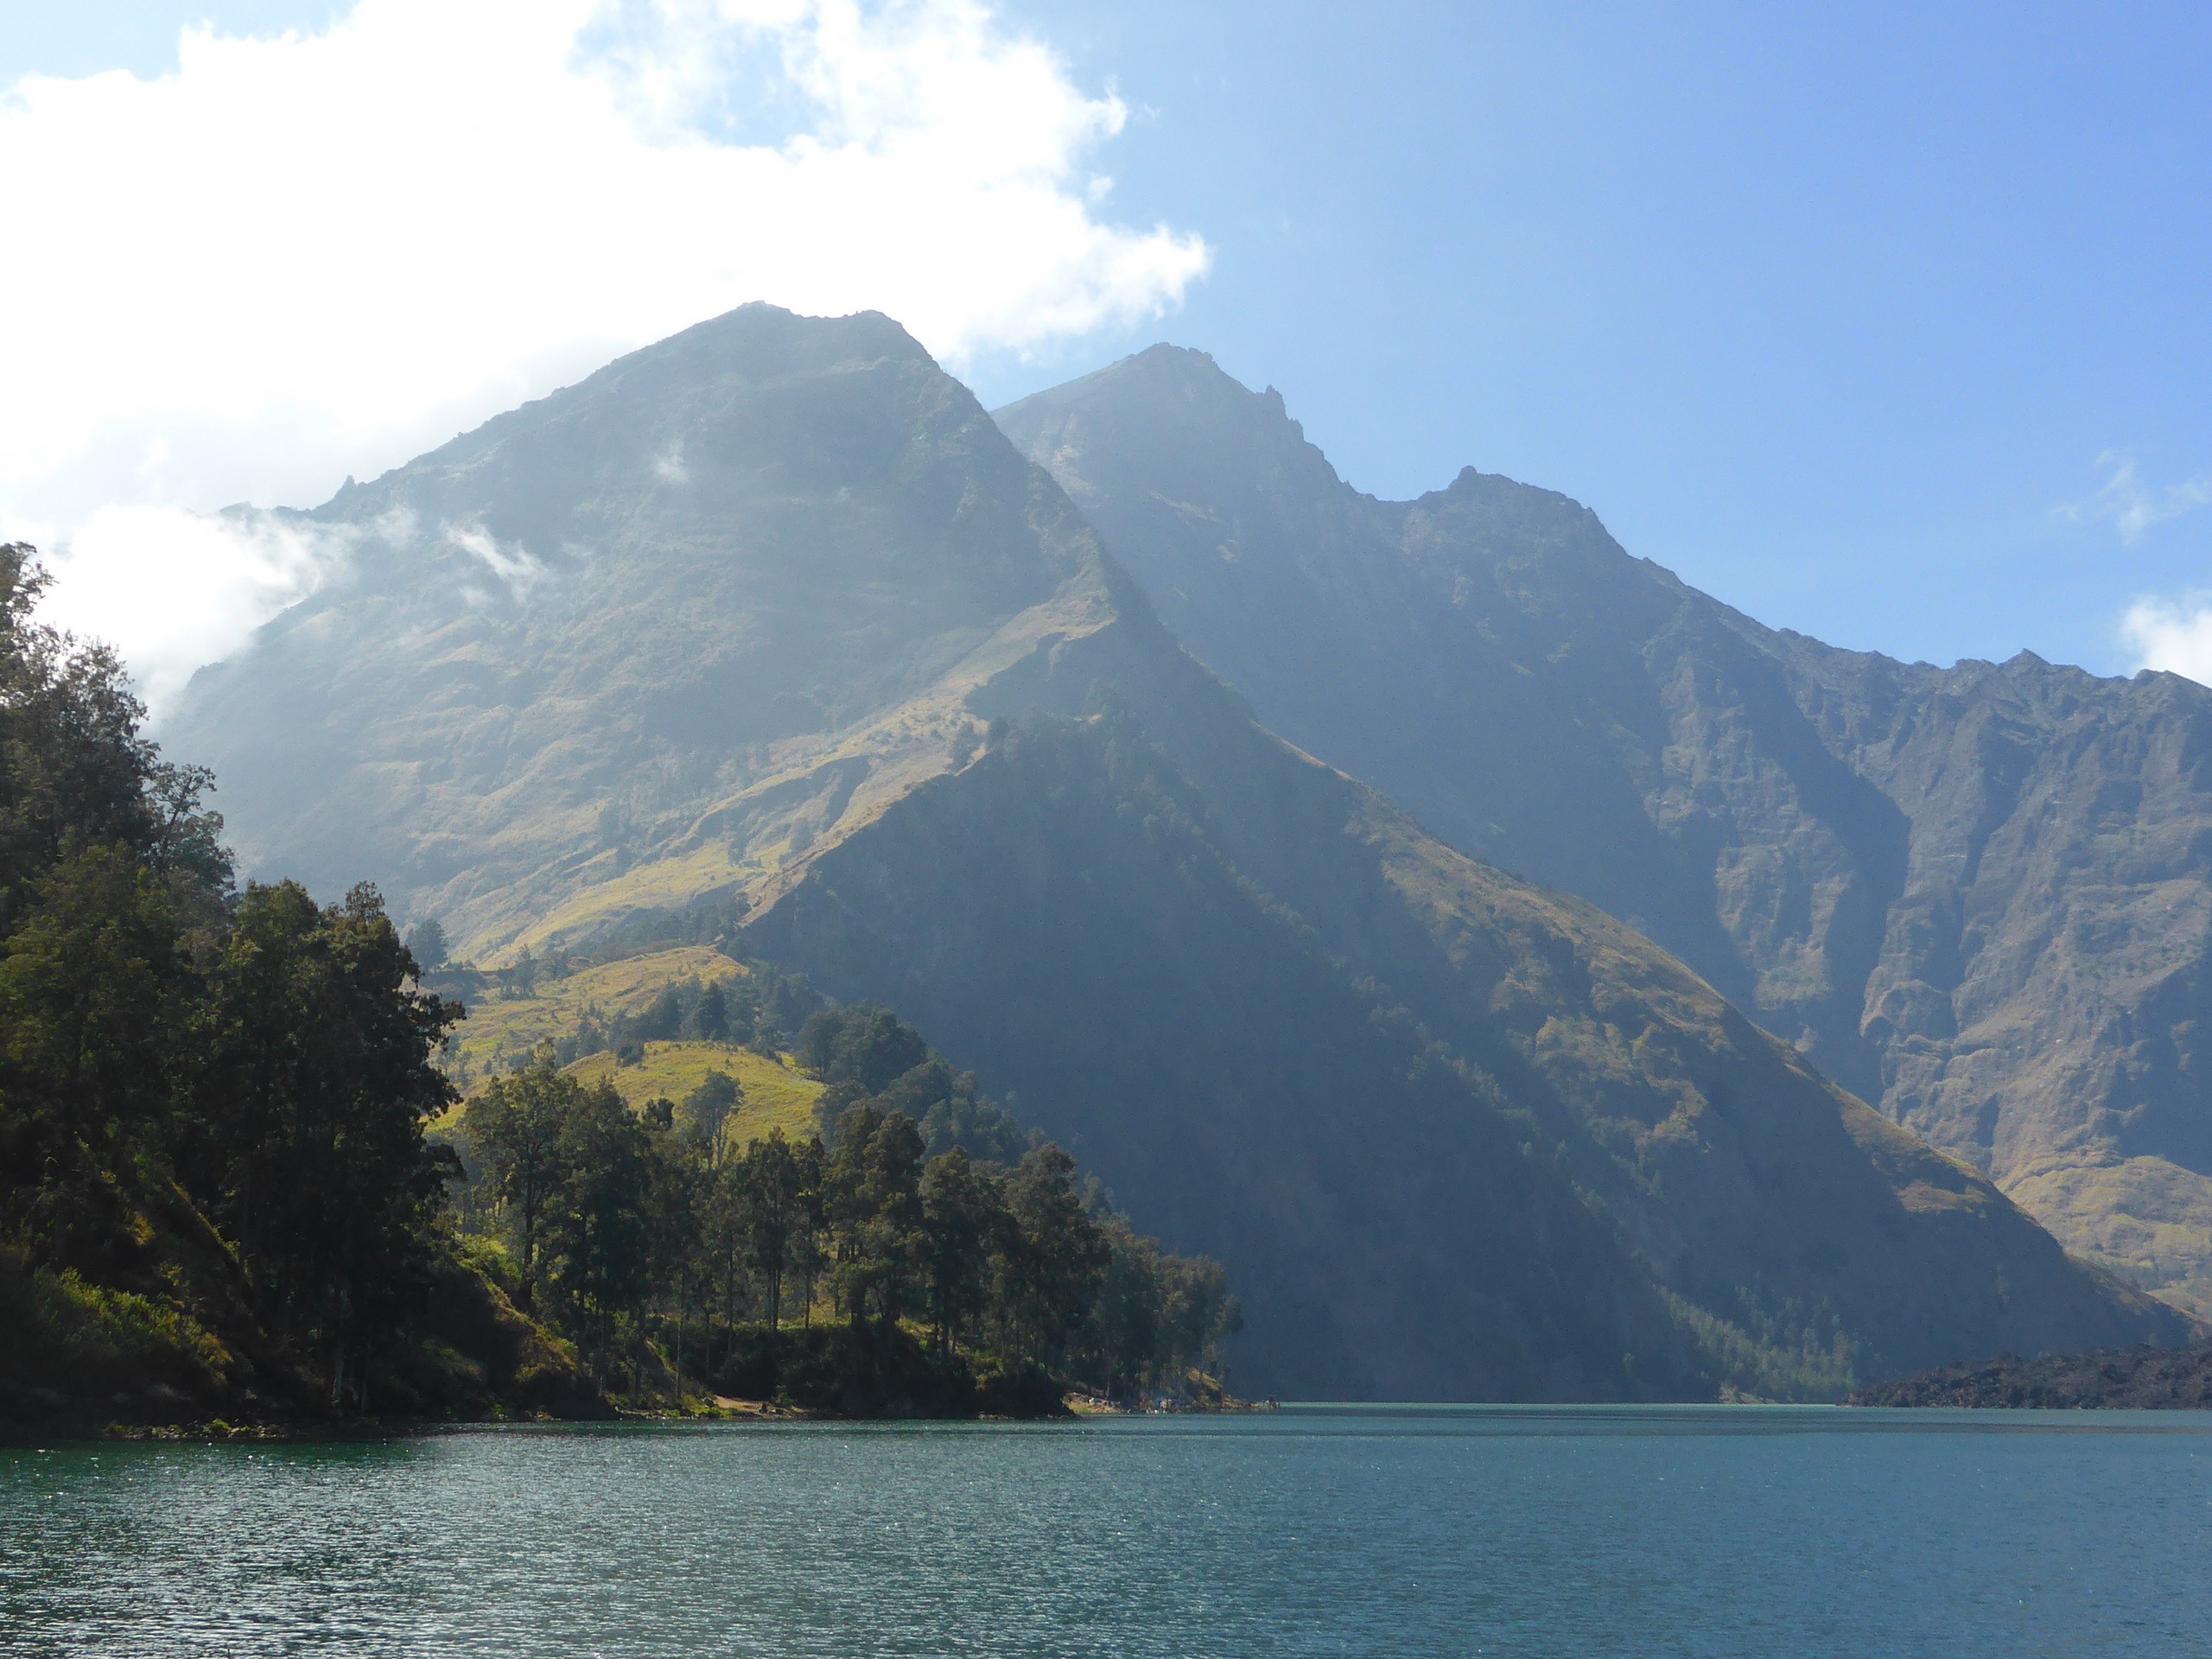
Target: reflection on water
point(1378, 1530)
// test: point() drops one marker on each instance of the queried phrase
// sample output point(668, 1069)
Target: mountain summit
point(772, 615)
point(1979, 897)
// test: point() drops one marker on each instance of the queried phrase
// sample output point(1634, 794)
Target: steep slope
point(1975, 896)
point(1269, 1007)
point(750, 572)
point(752, 600)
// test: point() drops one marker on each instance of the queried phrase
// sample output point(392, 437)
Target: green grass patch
point(776, 1094)
point(501, 1030)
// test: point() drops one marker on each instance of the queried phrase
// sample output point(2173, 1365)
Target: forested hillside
point(906, 1251)
point(1977, 897)
point(234, 1183)
point(216, 1195)
point(769, 621)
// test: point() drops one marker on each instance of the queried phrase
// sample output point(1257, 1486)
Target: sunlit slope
point(1452, 1137)
point(647, 637)
point(776, 1096)
point(1979, 896)
point(501, 1029)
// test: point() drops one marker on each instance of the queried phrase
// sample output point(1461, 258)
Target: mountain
point(771, 616)
point(1976, 896)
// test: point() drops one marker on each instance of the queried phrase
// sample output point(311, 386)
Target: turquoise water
point(1725, 1531)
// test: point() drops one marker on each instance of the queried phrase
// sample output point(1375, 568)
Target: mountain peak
point(1168, 382)
point(699, 571)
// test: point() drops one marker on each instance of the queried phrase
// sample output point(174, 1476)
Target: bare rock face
point(1977, 896)
point(772, 614)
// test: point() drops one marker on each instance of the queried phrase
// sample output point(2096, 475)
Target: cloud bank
point(293, 259)
point(2172, 634)
point(172, 589)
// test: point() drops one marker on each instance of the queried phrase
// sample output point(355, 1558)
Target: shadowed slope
point(1978, 896)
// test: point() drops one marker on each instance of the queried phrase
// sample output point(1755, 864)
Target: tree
point(663, 1019)
point(1123, 1334)
point(1154, 1315)
point(708, 1110)
point(516, 1127)
point(873, 1180)
point(319, 1071)
point(426, 940)
point(862, 1046)
point(1196, 1312)
point(774, 1181)
point(964, 1218)
point(94, 996)
point(680, 1178)
point(596, 1231)
point(75, 773)
point(808, 1255)
point(710, 1017)
point(1053, 1259)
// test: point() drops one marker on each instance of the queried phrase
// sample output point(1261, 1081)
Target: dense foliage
point(212, 1103)
point(919, 1210)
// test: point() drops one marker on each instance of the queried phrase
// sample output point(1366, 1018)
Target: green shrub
point(78, 1349)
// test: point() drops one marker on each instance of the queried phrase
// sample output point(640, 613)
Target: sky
point(1885, 323)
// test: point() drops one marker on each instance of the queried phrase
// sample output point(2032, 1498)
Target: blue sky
point(1888, 324)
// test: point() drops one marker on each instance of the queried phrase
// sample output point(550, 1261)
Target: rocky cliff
point(1976, 896)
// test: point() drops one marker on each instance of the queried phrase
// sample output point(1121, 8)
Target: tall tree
point(94, 996)
point(680, 1181)
point(426, 941)
point(774, 1180)
point(708, 1110)
point(516, 1127)
point(964, 1218)
point(1054, 1258)
point(74, 770)
point(873, 1181)
point(597, 1227)
point(710, 1016)
point(321, 1063)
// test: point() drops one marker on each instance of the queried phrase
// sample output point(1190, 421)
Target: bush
point(78, 1351)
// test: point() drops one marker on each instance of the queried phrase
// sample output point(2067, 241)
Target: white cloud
point(172, 589)
point(2174, 635)
point(516, 565)
point(296, 257)
point(2134, 506)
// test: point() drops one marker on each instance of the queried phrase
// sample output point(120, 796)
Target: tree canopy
point(209, 1100)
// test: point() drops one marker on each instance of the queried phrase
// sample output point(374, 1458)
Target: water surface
point(1387, 1531)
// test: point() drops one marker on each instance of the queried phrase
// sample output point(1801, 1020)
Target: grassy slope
point(776, 1096)
point(500, 1033)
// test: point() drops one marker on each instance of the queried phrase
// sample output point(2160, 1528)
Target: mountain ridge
point(1938, 883)
point(772, 614)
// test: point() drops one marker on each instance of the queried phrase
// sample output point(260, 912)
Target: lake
point(1741, 1530)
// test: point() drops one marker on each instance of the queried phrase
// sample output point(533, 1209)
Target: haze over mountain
point(772, 610)
point(1976, 896)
